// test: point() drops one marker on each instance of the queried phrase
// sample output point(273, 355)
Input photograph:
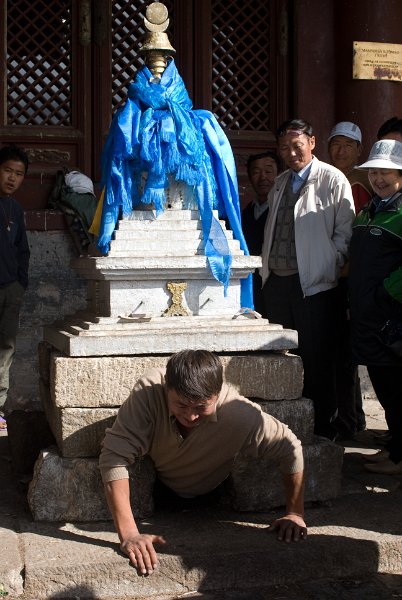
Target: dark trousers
point(314, 318)
point(10, 303)
point(351, 416)
point(387, 385)
point(166, 499)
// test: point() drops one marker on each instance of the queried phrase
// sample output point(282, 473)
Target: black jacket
point(14, 249)
point(375, 278)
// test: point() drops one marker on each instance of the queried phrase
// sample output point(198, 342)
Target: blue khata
point(157, 133)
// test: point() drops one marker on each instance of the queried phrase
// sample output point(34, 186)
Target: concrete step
point(208, 552)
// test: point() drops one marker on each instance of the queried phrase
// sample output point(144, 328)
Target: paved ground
point(354, 550)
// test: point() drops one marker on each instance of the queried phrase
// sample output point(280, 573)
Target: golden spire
point(156, 48)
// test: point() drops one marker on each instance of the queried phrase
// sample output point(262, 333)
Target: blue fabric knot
point(158, 133)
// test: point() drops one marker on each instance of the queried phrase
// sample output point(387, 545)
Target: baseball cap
point(347, 129)
point(385, 154)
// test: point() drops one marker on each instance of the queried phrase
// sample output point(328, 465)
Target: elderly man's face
point(296, 150)
point(262, 173)
point(344, 153)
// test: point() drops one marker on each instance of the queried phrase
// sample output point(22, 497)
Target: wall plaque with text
point(374, 60)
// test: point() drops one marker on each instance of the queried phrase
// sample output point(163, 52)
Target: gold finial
point(156, 47)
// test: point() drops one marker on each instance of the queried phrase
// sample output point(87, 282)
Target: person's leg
point(350, 417)
point(10, 303)
point(360, 415)
point(316, 324)
point(277, 293)
point(387, 385)
point(345, 370)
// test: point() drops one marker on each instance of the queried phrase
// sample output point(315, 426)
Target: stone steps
point(174, 214)
point(129, 226)
point(182, 246)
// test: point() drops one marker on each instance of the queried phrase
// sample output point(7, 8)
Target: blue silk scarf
point(156, 132)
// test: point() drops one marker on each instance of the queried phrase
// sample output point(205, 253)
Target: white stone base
point(165, 335)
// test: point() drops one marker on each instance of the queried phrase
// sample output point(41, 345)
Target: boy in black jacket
point(14, 260)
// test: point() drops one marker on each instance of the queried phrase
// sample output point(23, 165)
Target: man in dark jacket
point(261, 170)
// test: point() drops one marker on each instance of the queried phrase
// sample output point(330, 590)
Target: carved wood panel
point(241, 76)
point(39, 63)
point(68, 65)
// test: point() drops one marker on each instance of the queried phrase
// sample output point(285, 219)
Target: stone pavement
point(354, 549)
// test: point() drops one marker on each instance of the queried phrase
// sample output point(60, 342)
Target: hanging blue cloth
point(156, 132)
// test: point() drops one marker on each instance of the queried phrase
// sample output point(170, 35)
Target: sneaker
point(385, 467)
point(379, 456)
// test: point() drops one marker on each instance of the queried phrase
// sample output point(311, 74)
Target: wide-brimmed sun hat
point(385, 154)
point(347, 129)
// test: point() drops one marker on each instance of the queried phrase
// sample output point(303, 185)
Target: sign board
point(374, 60)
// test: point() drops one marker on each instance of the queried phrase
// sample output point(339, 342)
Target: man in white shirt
point(306, 242)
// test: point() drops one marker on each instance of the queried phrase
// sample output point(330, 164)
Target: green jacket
point(375, 278)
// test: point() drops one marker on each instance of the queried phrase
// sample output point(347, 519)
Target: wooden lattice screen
point(240, 64)
point(39, 63)
point(127, 35)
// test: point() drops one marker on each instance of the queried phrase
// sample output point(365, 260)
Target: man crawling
point(192, 426)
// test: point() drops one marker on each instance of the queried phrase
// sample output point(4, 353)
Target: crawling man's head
point(194, 379)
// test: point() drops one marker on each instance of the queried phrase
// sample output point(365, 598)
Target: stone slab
point(70, 489)
point(64, 489)
point(79, 431)
point(107, 381)
point(227, 555)
point(298, 415)
point(256, 484)
point(11, 561)
point(162, 267)
point(167, 335)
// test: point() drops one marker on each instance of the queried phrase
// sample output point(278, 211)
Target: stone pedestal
point(90, 362)
point(81, 398)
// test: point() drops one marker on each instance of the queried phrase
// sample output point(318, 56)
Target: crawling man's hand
point(290, 528)
point(140, 549)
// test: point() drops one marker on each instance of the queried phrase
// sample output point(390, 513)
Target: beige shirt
point(200, 462)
